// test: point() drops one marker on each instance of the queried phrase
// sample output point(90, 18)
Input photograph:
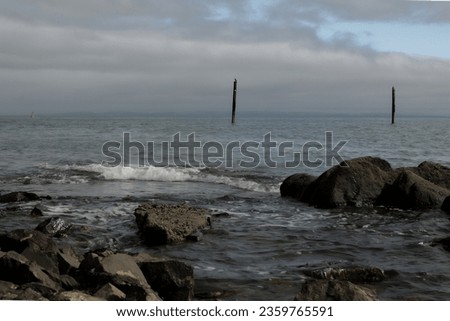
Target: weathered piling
point(233, 112)
point(393, 106)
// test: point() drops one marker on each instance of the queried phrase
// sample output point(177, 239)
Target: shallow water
point(258, 251)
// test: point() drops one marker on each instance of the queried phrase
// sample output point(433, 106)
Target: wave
point(162, 174)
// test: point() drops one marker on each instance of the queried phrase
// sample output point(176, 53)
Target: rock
point(34, 245)
point(122, 265)
point(172, 280)
point(36, 212)
point(356, 182)
point(18, 269)
point(68, 260)
point(74, 296)
point(445, 242)
point(411, 191)
point(54, 226)
point(18, 197)
point(446, 205)
point(334, 290)
point(103, 266)
point(355, 274)
point(435, 173)
point(163, 224)
point(68, 282)
point(296, 184)
point(11, 291)
point(111, 293)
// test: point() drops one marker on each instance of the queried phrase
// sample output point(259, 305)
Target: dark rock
point(410, 191)
point(355, 274)
point(34, 245)
point(11, 291)
point(356, 182)
point(54, 226)
point(334, 290)
point(435, 173)
point(172, 280)
point(18, 197)
point(102, 267)
point(446, 205)
point(36, 212)
point(163, 224)
point(18, 269)
point(296, 184)
point(445, 242)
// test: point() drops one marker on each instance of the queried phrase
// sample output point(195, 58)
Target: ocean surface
point(260, 249)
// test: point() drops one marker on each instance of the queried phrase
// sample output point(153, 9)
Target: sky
point(181, 56)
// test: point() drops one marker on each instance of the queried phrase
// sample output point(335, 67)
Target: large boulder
point(165, 224)
point(172, 280)
point(18, 197)
point(435, 173)
point(334, 290)
point(296, 184)
point(356, 182)
point(411, 191)
point(103, 267)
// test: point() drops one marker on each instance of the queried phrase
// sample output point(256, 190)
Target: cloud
point(182, 56)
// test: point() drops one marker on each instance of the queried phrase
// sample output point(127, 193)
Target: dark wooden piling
point(233, 112)
point(393, 105)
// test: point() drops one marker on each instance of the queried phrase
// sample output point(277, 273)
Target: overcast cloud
point(157, 56)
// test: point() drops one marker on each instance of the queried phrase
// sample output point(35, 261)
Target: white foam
point(166, 174)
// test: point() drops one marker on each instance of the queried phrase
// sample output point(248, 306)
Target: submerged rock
point(165, 224)
point(356, 274)
point(18, 197)
point(334, 290)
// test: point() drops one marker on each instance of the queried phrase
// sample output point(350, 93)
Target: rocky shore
point(36, 265)
point(371, 181)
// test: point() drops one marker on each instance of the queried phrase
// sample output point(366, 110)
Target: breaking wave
point(161, 174)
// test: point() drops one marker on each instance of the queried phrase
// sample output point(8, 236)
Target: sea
point(98, 169)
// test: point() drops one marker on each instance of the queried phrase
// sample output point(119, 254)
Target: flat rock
point(111, 293)
point(164, 224)
point(355, 274)
point(334, 290)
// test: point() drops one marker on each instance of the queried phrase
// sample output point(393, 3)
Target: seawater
point(258, 251)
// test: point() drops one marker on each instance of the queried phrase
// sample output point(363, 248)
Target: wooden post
point(393, 105)
point(233, 112)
